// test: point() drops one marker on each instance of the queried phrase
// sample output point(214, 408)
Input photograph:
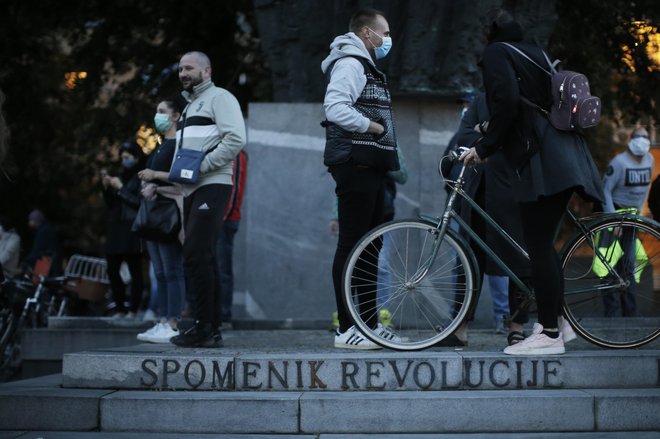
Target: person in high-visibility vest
point(625, 186)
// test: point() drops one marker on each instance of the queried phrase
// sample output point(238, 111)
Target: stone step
point(41, 405)
point(133, 435)
point(166, 367)
point(74, 334)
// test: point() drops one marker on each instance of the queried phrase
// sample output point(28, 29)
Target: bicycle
point(433, 276)
point(24, 304)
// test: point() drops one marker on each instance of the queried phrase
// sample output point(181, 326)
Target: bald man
point(213, 123)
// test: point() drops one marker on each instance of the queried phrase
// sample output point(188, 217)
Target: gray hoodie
point(347, 80)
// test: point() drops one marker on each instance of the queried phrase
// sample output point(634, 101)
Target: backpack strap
point(552, 70)
point(552, 65)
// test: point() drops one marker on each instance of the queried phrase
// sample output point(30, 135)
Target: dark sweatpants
point(360, 195)
point(203, 211)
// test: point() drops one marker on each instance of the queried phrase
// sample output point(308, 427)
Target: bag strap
point(551, 65)
point(183, 127)
point(552, 70)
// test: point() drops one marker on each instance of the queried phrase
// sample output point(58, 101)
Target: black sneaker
point(196, 336)
point(214, 341)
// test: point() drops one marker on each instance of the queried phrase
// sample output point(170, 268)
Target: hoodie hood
point(346, 45)
point(509, 31)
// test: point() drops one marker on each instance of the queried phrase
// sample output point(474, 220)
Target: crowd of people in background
point(192, 268)
point(525, 187)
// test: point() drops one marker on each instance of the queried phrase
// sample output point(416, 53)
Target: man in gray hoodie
point(360, 150)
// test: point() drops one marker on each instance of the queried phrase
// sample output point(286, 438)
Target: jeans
point(153, 291)
point(499, 291)
point(167, 260)
point(203, 211)
point(626, 301)
point(225, 253)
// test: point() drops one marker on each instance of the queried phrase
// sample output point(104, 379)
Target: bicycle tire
point(423, 309)
point(9, 328)
point(596, 303)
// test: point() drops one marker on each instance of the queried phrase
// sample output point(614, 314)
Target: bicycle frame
point(451, 214)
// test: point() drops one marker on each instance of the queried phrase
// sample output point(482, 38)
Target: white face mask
point(639, 146)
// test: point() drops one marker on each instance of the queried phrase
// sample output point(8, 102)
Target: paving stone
point(200, 412)
point(627, 409)
point(463, 411)
point(49, 408)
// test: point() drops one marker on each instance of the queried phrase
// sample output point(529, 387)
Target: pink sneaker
point(566, 330)
point(537, 344)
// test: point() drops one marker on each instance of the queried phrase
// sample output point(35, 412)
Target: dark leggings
point(540, 220)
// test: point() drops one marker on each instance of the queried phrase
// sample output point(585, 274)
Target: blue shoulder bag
point(186, 164)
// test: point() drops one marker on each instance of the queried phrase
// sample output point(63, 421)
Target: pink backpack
point(573, 106)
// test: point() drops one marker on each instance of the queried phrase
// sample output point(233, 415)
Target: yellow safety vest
point(614, 252)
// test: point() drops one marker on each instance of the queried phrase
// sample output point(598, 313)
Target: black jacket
point(123, 206)
point(507, 77)
point(546, 161)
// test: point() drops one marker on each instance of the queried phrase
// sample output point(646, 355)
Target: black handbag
point(157, 220)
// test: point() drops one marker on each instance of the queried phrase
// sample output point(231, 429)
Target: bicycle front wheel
point(405, 277)
point(612, 283)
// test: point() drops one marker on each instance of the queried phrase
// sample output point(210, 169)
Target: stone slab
point(201, 412)
point(167, 367)
point(371, 371)
point(51, 381)
point(544, 435)
point(51, 344)
point(573, 370)
point(627, 409)
point(464, 411)
point(32, 408)
point(133, 435)
point(158, 368)
point(72, 322)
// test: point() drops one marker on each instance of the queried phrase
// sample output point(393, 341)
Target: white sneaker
point(353, 339)
point(566, 330)
point(537, 344)
point(387, 334)
point(162, 335)
point(143, 336)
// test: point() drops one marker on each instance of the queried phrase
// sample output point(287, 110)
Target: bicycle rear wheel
point(612, 283)
point(417, 285)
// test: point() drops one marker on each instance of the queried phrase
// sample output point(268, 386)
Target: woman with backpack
point(550, 165)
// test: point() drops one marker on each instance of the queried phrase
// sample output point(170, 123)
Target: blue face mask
point(162, 122)
point(382, 51)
